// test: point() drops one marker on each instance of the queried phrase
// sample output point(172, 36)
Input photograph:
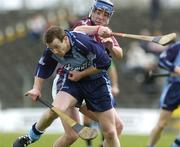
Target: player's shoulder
point(80, 38)
point(84, 21)
point(176, 45)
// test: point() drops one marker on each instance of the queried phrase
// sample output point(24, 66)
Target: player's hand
point(115, 90)
point(108, 43)
point(34, 94)
point(177, 70)
point(74, 76)
point(104, 32)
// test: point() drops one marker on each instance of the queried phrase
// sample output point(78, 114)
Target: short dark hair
point(52, 33)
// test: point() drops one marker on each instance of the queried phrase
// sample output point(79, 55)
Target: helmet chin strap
point(108, 21)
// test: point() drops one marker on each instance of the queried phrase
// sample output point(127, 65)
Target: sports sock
point(34, 134)
point(176, 142)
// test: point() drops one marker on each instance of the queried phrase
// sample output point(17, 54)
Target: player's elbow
point(118, 53)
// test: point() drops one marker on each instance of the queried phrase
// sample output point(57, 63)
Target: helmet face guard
point(105, 6)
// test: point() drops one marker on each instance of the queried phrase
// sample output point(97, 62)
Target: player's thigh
point(64, 100)
point(73, 112)
point(106, 120)
point(83, 109)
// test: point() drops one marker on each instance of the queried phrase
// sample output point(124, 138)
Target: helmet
point(105, 5)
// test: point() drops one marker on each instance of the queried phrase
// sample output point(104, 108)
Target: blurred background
point(22, 23)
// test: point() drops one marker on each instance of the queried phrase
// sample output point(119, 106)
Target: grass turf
point(6, 140)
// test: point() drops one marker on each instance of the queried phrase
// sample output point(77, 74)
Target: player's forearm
point(90, 71)
point(38, 82)
point(87, 29)
point(117, 52)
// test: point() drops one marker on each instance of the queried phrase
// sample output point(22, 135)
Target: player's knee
point(119, 127)
point(109, 134)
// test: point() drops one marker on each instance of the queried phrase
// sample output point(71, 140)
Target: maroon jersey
point(89, 22)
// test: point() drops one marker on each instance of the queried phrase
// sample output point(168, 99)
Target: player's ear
point(66, 39)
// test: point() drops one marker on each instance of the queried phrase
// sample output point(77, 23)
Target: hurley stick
point(85, 133)
point(162, 40)
point(167, 74)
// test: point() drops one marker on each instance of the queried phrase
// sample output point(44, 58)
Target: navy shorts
point(96, 93)
point(170, 97)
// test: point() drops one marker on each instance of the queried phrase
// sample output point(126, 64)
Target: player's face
point(59, 48)
point(100, 17)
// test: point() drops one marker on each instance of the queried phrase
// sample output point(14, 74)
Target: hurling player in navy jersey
point(100, 14)
point(170, 97)
point(85, 65)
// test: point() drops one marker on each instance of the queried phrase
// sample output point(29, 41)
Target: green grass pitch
point(6, 140)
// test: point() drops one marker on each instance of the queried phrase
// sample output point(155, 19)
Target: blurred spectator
point(20, 30)
point(142, 58)
point(51, 20)
point(155, 9)
point(10, 34)
point(2, 38)
point(140, 63)
point(151, 47)
point(62, 18)
point(71, 18)
point(155, 50)
point(36, 25)
point(67, 20)
point(137, 58)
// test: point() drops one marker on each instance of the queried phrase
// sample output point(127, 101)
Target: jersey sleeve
point(115, 42)
point(46, 65)
point(168, 57)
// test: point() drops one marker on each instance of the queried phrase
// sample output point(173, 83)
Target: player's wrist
point(97, 30)
point(37, 88)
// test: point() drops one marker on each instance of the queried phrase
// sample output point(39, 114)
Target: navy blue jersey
point(84, 52)
point(170, 97)
point(171, 58)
